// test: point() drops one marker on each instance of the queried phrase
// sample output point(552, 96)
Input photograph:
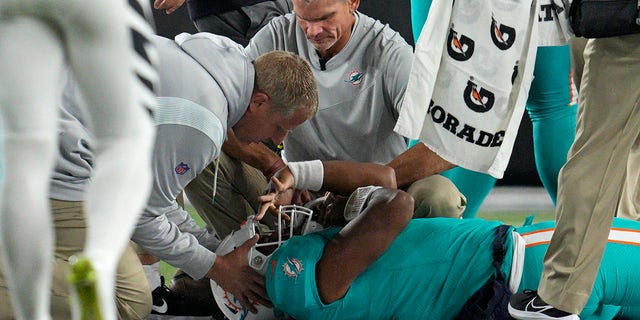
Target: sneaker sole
point(83, 281)
point(524, 315)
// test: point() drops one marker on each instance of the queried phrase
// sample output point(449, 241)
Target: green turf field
point(514, 218)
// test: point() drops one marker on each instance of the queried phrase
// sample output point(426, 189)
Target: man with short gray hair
point(362, 69)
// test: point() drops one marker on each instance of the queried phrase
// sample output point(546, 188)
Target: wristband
point(358, 201)
point(307, 175)
point(277, 165)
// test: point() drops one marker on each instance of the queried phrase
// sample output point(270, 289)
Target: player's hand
point(233, 273)
point(169, 6)
point(300, 197)
point(332, 211)
point(267, 204)
point(279, 185)
point(283, 180)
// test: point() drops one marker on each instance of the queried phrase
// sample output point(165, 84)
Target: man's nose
point(313, 29)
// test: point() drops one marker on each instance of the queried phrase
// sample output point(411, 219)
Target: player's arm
point(337, 176)
point(416, 163)
point(157, 232)
point(362, 241)
point(343, 177)
point(419, 161)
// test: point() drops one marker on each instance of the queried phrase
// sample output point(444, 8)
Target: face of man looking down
point(326, 23)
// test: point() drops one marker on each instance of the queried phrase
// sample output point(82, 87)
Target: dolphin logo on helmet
point(292, 220)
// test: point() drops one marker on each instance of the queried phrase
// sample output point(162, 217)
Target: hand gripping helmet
point(293, 220)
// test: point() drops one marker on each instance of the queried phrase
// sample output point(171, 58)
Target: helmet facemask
point(292, 220)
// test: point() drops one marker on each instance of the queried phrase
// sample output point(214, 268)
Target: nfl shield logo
point(182, 168)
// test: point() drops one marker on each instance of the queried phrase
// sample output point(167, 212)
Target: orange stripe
point(626, 230)
point(538, 231)
point(625, 242)
point(528, 245)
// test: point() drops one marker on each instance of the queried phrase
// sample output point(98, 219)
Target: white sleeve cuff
point(307, 175)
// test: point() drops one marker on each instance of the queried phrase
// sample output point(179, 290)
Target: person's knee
point(437, 196)
point(134, 304)
point(133, 295)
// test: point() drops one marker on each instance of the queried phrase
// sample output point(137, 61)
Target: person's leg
point(132, 293)
point(475, 186)
point(552, 107)
point(238, 188)
point(121, 177)
point(617, 278)
point(419, 12)
point(552, 115)
point(615, 286)
point(133, 297)
point(576, 46)
point(31, 59)
point(552, 110)
point(591, 182)
point(436, 196)
point(630, 200)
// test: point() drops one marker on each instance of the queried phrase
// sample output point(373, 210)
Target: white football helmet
point(296, 219)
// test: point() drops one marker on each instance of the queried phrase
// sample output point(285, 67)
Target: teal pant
point(552, 114)
point(615, 292)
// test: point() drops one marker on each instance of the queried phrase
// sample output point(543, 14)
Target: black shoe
point(168, 304)
point(529, 306)
point(198, 291)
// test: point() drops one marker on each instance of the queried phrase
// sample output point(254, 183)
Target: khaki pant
point(239, 186)
point(238, 189)
point(600, 177)
point(577, 59)
point(133, 297)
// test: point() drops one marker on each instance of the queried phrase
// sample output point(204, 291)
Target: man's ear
point(258, 99)
point(354, 4)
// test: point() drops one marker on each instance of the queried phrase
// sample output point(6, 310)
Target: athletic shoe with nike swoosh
point(170, 305)
point(529, 306)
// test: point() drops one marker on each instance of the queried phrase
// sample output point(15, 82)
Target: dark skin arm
point(340, 176)
point(417, 163)
point(362, 241)
point(343, 177)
